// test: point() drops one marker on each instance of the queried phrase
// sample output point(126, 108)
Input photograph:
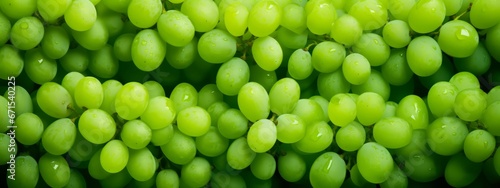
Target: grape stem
point(463, 13)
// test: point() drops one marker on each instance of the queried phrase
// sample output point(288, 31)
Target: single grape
point(356, 69)
point(136, 134)
point(446, 135)
point(262, 136)
point(212, 143)
point(300, 64)
point(458, 38)
point(284, 96)
point(236, 19)
point(232, 75)
point(55, 42)
point(193, 121)
point(328, 170)
point(370, 108)
point(374, 162)
point(413, 110)
point(232, 124)
point(428, 64)
point(290, 128)
point(148, 50)
point(267, 53)
point(27, 172)
point(263, 166)
point(114, 156)
point(204, 14)
point(291, 166)
point(465, 80)
point(318, 137)
point(131, 100)
point(175, 28)
point(54, 100)
point(427, 15)
point(479, 145)
point(181, 149)
point(386, 127)
point(253, 101)
point(320, 16)
point(370, 14)
point(482, 13)
point(239, 154)
point(54, 170)
point(167, 178)
point(346, 30)
point(80, 15)
point(196, 173)
point(144, 14)
point(159, 113)
point(327, 56)
point(59, 136)
point(351, 137)
point(373, 47)
point(96, 126)
point(264, 18)
point(396, 33)
point(141, 164)
point(11, 61)
point(217, 46)
point(460, 171)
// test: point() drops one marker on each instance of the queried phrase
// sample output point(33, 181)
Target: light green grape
point(290, 128)
point(94, 38)
point(400, 9)
point(232, 124)
point(300, 64)
point(232, 75)
point(327, 56)
point(342, 110)
point(27, 33)
point(131, 100)
point(465, 80)
point(148, 50)
point(167, 178)
point(162, 136)
point(374, 162)
point(39, 68)
point(114, 156)
point(217, 46)
point(193, 121)
point(284, 96)
point(89, 93)
point(482, 13)
point(328, 170)
point(21, 98)
point(309, 111)
point(446, 135)
point(321, 16)
point(346, 30)
point(141, 164)
point(175, 28)
point(54, 100)
point(263, 166)
point(253, 101)
point(264, 18)
point(144, 14)
point(159, 113)
point(103, 62)
point(396, 33)
point(470, 104)
point(458, 38)
point(110, 88)
point(351, 137)
point(396, 70)
point(182, 57)
point(96, 126)
point(196, 173)
point(154, 88)
point(370, 108)
point(208, 95)
point(356, 69)
point(80, 15)
point(290, 39)
point(318, 137)
point(386, 127)
point(373, 47)
point(478, 63)
point(262, 136)
point(239, 154)
point(95, 168)
point(55, 42)
point(11, 61)
point(204, 14)
point(184, 95)
point(29, 128)
point(181, 149)
point(16, 9)
point(452, 6)
point(122, 47)
point(212, 143)
point(427, 15)
point(236, 19)
point(413, 110)
point(294, 18)
point(27, 172)
point(424, 65)
point(441, 99)
point(479, 145)
point(76, 59)
point(291, 166)
point(54, 170)
point(136, 134)
point(491, 119)
point(370, 14)
point(4, 29)
point(59, 136)
point(267, 53)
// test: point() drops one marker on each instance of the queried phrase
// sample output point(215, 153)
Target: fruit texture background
point(250, 93)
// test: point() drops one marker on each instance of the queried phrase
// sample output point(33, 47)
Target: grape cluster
point(250, 93)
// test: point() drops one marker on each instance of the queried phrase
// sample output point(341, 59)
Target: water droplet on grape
point(462, 34)
point(40, 61)
point(485, 144)
point(330, 162)
point(186, 97)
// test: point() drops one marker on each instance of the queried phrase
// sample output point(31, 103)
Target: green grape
point(148, 50)
point(370, 108)
point(396, 70)
point(96, 126)
point(54, 170)
point(284, 96)
point(327, 56)
point(212, 143)
point(413, 110)
point(16, 9)
point(144, 14)
point(208, 95)
point(160, 113)
point(76, 179)
point(460, 171)
point(182, 57)
point(76, 59)
point(290, 128)
point(55, 42)
point(232, 75)
point(162, 136)
point(263, 166)
point(204, 14)
point(309, 111)
point(370, 14)
point(330, 84)
point(478, 63)
point(80, 15)
point(263, 77)
point(300, 64)
point(400, 9)
point(136, 134)
point(328, 170)
point(390, 109)
point(356, 68)
point(120, 179)
point(154, 89)
point(54, 100)
point(351, 136)
point(424, 167)
point(239, 154)
point(493, 95)
point(321, 17)
point(4, 29)
point(217, 109)
point(482, 13)
point(290, 39)
point(318, 137)
point(175, 28)
point(397, 178)
point(167, 178)
point(396, 34)
point(193, 121)
point(458, 38)
point(323, 103)
point(110, 88)
point(88, 93)
point(465, 80)
point(39, 68)
point(181, 149)
point(29, 128)
point(117, 5)
point(342, 109)
point(95, 168)
point(374, 162)
point(11, 61)
point(22, 100)
point(264, 18)
point(446, 135)
point(424, 65)
point(112, 20)
point(496, 160)
point(294, 18)
point(253, 101)
point(386, 127)
point(479, 145)
point(267, 52)
point(236, 18)
point(291, 166)
point(346, 30)
point(27, 33)
point(6, 144)
point(232, 124)
point(141, 164)
point(196, 173)
point(82, 149)
point(452, 6)
point(217, 46)
point(492, 36)
point(373, 47)
point(262, 136)
point(184, 95)
point(122, 47)
point(94, 38)
point(356, 177)
point(27, 173)
point(427, 15)
point(470, 104)
point(131, 100)
point(59, 136)
point(491, 119)
point(114, 156)
point(441, 99)
point(103, 62)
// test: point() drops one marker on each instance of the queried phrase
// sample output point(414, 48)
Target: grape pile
point(250, 93)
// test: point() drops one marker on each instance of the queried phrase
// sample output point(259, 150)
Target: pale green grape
point(396, 33)
point(122, 47)
point(184, 95)
point(290, 128)
point(483, 13)
point(320, 17)
point(327, 170)
point(427, 15)
point(465, 80)
point(181, 149)
point(59, 136)
point(470, 104)
point(264, 18)
point(110, 88)
point(294, 18)
point(76, 59)
point(396, 70)
point(114, 156)
point(162, 136)
point(232, 75)
point(373, 47)
point(54, 100)
point(175, 28)
point(479, 145)
point(351, 137)
point(386, 127)
point(342, 110)
point(55, 42)
point(208, 95)
point(26, 33)
point(239, 154)
point(232, 124)
point(370, 14)
point(458, 38)
point(136, 134)
point(263, 77)
point(54, 170)
point(159, 113)
point(39, 68)
point(262, 136)
point(356, 69)
point(103, 62)
point(263, 166)
point(154, 88)
point(141, 164)
point(80, 15)
point(193, 121)
point(424, 65)
point(131, 100)
point(204, 14)
point(284, 96)
point(446, 135)
point(267, 53)
point(400, 9)
point(291, 166)
point(346, 30)
point(413, 110)
point(167, 178)
point(117, 5)
point(441, 99)
point(97, 126)
point(217, 46)
point(253, 101)
point(309, 111)
point(300, 64)
point(374, 162)
point(290, 39)
point(144, 13)
point(236, 19)
point(196, 173)
point(182, 57)
point(16, 9)
point(370, 108)
point(327, 56)
point(452, 6)
point(318, 137)
point(27, 172)
point(88, 93)
point(29, 128)
point(94, 38)
point(212, 143)
point(148, 50)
